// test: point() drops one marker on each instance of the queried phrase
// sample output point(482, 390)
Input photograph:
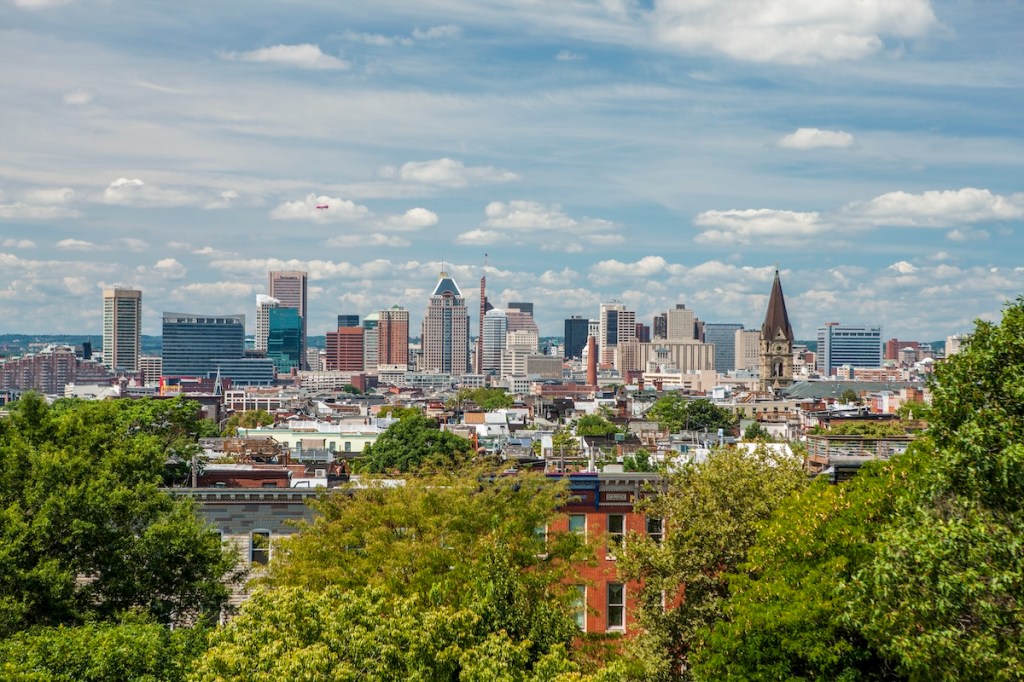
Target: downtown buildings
point(122, 329)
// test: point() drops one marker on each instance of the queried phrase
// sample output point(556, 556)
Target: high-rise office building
point(445, 335)
point(289, 288)
point(521, 306)
point(722, 335)
point(284, 340)
point(393, 337)
point(495, 330)
point(345, 349)
point(617, 325)
point(371, 342)
point(122, 328)
point(659, 326)
point(264, 304)
point(841, 344)
point(680, 324)
point(348, 320)
point(193, 343)
point(576, 332)
point(747, 350)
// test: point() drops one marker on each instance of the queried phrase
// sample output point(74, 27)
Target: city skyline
point(644, 152)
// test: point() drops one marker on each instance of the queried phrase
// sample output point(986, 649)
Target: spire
point(776, 318)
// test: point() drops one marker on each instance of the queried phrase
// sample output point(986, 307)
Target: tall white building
point(492, 346)
point(264, 304)
point(748, 349)
point(445, 334)
point(615, 325)
point(122, 328)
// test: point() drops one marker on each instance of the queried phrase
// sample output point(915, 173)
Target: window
point(540, 534)
point(348, 446)
point(655, 529)
point(578, 523)
point(616, 533)
point(616, 606)
point(579, 606)
point(259, 547)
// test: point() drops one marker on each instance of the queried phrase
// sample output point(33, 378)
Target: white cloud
point(135, 192)
point(360, 241)
point(23, 211)
point(903, 267)
point(449, 173)
point(77, 245)
point(815, 138)
point(170, 268)
point(481, 237)
point(338, 210)
point(131, 244)
point(17, 244)
point(569, 56)
point(938, 208)
point(437, 32)
point(532, 215)
point(225, 199)
point(964, 234)
point(304, 56)
point(78, 97)
point(647, 266)
point(413, 219)
point(377, 39)
point(49, 196)
point(40, 4)
point(214, 293)
point(742, 226)
point(788, 32)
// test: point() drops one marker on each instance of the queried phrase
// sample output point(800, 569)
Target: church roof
point(776, 318)
point(446, 285)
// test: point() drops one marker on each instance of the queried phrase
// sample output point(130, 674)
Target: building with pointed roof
point(445, 334)
point(776, 366)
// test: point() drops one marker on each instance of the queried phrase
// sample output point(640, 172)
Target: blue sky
point(650, 152)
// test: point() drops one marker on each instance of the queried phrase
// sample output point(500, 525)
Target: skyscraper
point(495, 329)
point(679, 324)
point(617, 325)
point(844, 344)
point(289, 288)
point(576, 332)
point(345, 350)
point(445, 334)
point(371, 345)
point(521, 306)
point(264, 304)
point(348, 320)
point(393, 337)
point(284, 340)
point(722, 335)
point(122, 328)
point(193, 343)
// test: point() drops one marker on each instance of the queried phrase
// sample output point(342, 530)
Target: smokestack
point(591, 361)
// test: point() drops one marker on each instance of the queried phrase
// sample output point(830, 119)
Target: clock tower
point(776, 343)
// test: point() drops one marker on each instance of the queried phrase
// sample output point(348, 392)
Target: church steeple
point(776, 366)
point(776, 319)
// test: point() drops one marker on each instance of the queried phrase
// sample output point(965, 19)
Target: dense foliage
point(249, 419)
point(414, 442)
point(444, 577)
point(86, 534)
point(675, 413)
point(594, 425)
point(486, 399)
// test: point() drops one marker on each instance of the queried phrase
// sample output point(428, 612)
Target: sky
point(651, 152)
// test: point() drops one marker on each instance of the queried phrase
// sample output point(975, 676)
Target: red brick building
point(345, 350)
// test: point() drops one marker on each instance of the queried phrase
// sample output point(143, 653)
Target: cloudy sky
point(647, 151)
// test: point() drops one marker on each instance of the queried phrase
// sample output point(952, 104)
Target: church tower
point(776, 342)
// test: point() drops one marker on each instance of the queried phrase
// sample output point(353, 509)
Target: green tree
point(639, 461)
point(101, 652)
point(711, 511)
point(249, 419)
point(850, 396)
point(594, 425)
point(414, 442)
point(675, 413)
point(461, 552)
point(399, 412)
point(756, 432)
point(487, 399)
point(85, 531)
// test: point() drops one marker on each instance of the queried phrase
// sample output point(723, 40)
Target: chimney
point(591, 361)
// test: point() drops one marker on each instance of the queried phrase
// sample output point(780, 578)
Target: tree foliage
point(712, 511)
point(105, 652)
point(85, 531)
point(445, 576)
point(487, 399)
point(594, 425)
point(414, 442)
point(249, 419)
point(675, 413)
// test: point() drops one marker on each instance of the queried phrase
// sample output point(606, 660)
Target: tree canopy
point(86, 533)
point(414, 442)
point(445, 577)
point(249, 419)
point(675, 413)
point(486, 399)
point(594, 425)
